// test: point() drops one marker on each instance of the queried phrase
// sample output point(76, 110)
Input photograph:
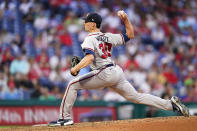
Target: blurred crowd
point(38, 38)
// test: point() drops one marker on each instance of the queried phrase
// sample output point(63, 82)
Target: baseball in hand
point(120, 13)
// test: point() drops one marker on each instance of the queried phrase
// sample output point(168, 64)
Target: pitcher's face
point(89, 26)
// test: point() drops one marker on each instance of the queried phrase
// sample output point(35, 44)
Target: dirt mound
point(148, 124)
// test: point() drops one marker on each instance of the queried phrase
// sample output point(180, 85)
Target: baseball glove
point(75, 60)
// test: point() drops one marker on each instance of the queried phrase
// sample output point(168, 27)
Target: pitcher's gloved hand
point(75, 60)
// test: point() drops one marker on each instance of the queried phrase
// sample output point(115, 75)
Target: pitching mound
point(148, 124)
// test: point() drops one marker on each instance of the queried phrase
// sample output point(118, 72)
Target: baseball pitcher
point(97, 48)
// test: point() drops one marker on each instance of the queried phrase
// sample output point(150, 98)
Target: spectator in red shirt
point(131, 62)
point(7, 57)
point(43, 55)
point(65, 38)
point(170, 75)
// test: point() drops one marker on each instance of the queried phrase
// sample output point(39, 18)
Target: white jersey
point(101, 44)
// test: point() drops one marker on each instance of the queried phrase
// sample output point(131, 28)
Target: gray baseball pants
point(114, 78)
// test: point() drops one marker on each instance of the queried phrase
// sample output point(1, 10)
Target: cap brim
point(83, 18)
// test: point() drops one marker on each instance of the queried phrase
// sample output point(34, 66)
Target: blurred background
point(39, 37)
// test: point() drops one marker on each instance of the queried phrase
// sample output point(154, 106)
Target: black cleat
point(179, 107)
point(61, 122)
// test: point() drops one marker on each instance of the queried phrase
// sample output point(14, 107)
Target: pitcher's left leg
point(87, 81)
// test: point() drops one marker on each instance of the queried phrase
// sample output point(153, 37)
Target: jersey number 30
point(106, 49)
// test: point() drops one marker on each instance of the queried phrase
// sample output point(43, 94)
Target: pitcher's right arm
point(129, 28)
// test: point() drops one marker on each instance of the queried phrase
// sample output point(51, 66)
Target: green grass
point(7, 126)
point(11, 126)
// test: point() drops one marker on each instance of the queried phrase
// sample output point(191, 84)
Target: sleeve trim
point(123, 41)
point(88, 51)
